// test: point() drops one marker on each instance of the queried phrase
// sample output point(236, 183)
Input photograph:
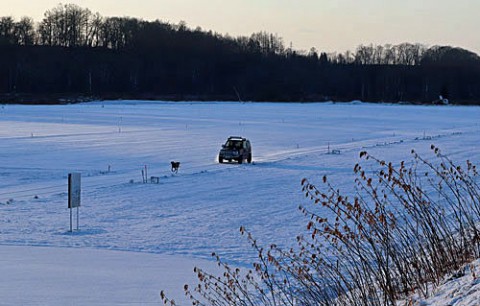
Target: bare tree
point(364, 55)
point(379, 55)
point(25, 31)
point(69, 26)
point(7, 30)
point(93, 30)
point(267, 43)
point(118, 32)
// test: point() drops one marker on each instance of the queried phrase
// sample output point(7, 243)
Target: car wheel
point(249, 158)
point(220, 159)
point(240, 160)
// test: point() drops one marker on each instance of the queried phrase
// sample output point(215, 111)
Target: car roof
point(236, 138)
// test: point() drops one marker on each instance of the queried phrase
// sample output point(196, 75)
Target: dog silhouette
point(175, 166)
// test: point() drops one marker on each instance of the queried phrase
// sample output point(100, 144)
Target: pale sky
point(328, 25)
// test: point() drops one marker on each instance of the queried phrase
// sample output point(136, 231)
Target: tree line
point(73, 52)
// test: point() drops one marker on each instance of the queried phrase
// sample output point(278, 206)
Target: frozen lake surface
point(199, 210)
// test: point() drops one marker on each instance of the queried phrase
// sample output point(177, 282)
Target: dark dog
point(175, 166)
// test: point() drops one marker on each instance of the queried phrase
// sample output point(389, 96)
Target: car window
point(237, 144)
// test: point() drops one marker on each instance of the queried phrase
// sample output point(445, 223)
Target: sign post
point(74, 190)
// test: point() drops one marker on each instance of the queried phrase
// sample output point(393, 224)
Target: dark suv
point(236, 148)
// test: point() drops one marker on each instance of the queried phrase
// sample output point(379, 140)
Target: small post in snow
point(74, 191)
point(144, 175)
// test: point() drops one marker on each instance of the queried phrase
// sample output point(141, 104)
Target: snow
point(461, 288)
point(136, 239)
point(70, 276)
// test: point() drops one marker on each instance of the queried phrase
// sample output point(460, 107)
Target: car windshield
point(233, 144)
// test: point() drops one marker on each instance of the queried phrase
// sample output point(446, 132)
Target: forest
point(73, 54)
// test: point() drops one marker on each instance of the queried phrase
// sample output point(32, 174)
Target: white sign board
point(74, 188)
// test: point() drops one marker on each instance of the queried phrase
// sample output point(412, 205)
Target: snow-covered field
point(136, 239)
